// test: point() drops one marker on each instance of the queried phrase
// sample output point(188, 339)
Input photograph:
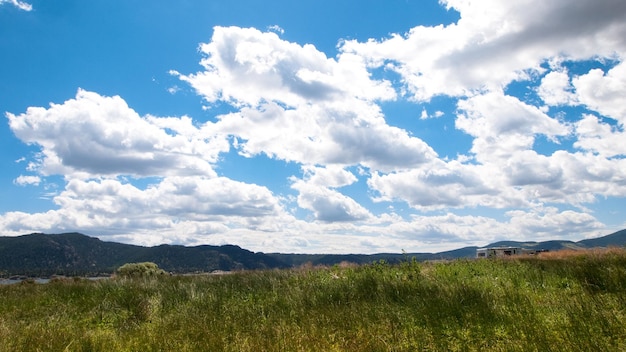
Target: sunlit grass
point(560, 303)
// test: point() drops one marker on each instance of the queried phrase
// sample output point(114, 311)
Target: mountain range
point(75, 254)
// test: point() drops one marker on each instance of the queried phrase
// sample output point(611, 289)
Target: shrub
point(145, 269)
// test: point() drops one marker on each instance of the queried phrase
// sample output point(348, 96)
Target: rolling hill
point(71, 254)
point(76, 254)
point(615, 239)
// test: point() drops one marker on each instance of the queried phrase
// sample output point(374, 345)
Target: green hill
point(76, 254)
point(72, 254)
point(615, 239)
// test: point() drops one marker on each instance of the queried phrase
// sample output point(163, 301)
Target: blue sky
point(313, 126)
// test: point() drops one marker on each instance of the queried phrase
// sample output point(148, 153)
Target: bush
point(145, 269)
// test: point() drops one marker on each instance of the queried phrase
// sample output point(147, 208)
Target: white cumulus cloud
point(93, 135)
point(24, 180)
point(496, 42)
point(22, 5)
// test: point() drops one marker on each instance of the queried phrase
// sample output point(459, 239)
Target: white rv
point(493, 252)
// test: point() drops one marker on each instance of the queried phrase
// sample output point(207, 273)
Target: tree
point(145, 269)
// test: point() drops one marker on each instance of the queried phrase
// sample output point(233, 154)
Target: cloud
point(525, 180)
point(329, 205)
point(276, 28)
point(604, 93)
point(504, 170)
point(173, 197)
point(444, 185)
point(19, 4)
point(339, 133)
point(550, 223)
point(245, 67)
point(93, 135)
point(496, 42)
point(330, 176)
point(23, 180)
point(502, 125)
point(599, 137)
point(586, 176)
point(111, 207)
point(296, 104)
point(556, 89)
point(434, 231)
point(529, 168)
point(424, 115)
point(230, 212)
point(599, 92)
point(317, 194)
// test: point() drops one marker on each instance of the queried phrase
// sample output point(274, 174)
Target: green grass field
point(556, 302)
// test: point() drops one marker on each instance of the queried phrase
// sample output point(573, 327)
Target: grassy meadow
point(562, 301)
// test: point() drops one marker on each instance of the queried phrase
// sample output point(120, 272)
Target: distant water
point(17, 281)
point(42, 280)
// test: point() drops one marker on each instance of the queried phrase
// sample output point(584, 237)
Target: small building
point(493, 252)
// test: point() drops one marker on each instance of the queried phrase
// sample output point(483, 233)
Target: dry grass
point(592, 252)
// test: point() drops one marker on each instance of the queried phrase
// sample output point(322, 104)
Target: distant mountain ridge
point(40, 254)
point(617, 239)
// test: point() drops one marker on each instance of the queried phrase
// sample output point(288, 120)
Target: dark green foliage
point(136, 270)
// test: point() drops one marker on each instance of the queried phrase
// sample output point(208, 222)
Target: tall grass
point(566, 303)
